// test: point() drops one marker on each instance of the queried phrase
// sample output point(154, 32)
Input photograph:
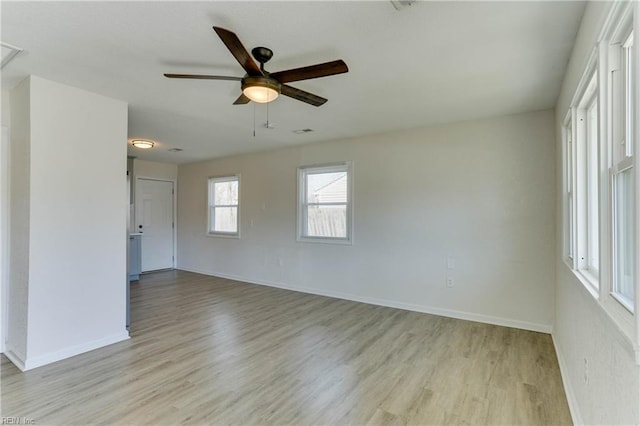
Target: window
point(568, 191)
point(621, 171)
point(223, 205)
point(587, 176)
point(599, 177)
point(324, 203)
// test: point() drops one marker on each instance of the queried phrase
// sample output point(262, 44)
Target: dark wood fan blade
point(312, 71)
point(204, 77)
point(242, 100)
point(303, 96)
point(238, 51)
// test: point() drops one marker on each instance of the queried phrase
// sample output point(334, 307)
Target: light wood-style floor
point(210, 350)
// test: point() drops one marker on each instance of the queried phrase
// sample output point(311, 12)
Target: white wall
point(19, 213)
point(480, 192)
point(5, 107)
point(155, 170)
point(582, 330)
point(76, 221)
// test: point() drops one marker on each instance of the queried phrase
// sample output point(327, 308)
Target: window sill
point(623, 301)
point(321, 240)
point(233, 236)
point(589, 281)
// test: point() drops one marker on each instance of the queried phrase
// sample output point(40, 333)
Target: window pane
point(593, 245)
point(623, 235)
point(225, 219)
point(327, 187)
point(628, 95)
point(327, 221)
point(568, 233)
point(226, 193)
point(570, 203)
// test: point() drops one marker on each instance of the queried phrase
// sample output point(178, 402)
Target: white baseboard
point(14, 358)
point(566, 383)
point(39, 361)
point(468, 316)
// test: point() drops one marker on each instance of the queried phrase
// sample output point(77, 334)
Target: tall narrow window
point(568, 191)
point(623, 237)
point(587, 191)
point(622, 176)
point(223, 205)
point(629, 85)
point(593, 246)
point(324, 203)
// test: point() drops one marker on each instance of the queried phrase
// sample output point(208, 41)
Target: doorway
point(154, 219)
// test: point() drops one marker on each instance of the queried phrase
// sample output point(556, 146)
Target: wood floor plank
point(207, 350)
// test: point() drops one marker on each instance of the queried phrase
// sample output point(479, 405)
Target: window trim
point(606, 58)
point(568, 193)
point(621, 151)
point(588, 97)
point(223, 234)
point(303, 171)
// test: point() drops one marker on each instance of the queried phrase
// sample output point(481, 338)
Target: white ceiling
point(430, 63)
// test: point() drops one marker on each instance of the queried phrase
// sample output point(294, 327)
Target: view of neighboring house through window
point(223, 205)
point(324, 203)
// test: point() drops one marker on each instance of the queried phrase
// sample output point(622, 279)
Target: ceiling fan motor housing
point(262, 54)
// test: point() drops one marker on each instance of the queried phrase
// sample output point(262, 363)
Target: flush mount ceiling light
point(260, 89)
point(142, 143)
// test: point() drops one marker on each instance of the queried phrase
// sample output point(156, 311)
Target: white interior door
point(154, 219)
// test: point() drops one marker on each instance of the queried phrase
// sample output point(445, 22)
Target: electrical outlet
point(451, 263)
point(449, 281)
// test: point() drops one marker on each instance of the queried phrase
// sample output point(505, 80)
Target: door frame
point(175, 210)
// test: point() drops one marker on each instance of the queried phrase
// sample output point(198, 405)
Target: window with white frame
point(599, 197)
point(621, 169)
point(567, 133)
point(587, 176)
point(324, 203)
point(223, 196)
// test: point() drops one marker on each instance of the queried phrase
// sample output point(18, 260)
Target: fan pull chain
point(268, 114)
point(254, 119)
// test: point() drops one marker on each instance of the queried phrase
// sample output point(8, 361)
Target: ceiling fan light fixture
point(260, 89)
point(142, 143)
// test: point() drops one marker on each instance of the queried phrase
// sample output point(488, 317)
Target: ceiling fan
point(261, 86)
